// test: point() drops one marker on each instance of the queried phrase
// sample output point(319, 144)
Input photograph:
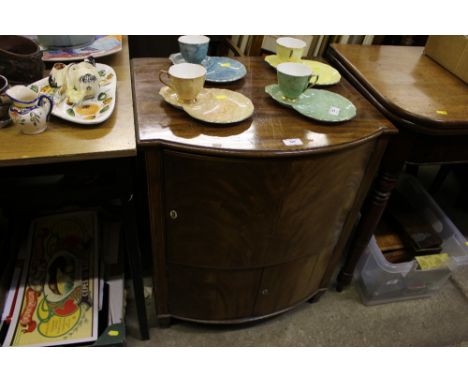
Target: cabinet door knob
point(265, 292)
point(173, 214)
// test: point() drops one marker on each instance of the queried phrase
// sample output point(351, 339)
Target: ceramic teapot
point(28, 109)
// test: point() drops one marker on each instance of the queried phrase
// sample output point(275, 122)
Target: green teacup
point(294, 78)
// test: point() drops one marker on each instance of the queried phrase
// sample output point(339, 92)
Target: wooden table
point(81, 153)
point(64, 141)
point(426, 103)
point(243, 226)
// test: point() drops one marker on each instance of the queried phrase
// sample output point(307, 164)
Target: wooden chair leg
point(132, 248)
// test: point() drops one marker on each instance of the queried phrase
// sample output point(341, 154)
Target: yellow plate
point(327, 74)
point(170, 97)
point(220, 106)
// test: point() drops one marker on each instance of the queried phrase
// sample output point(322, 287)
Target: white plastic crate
point(380, 281)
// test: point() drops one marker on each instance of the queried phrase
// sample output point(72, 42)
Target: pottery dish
point(218, 106)
point(318, 104)
point(221, 106)
point(101, 46)
point(170, 96)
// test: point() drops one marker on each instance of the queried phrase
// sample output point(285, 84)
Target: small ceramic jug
point(28, 109)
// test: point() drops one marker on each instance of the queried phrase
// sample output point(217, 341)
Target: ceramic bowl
point(4, 102)
point(58, 41)
point(20, 59)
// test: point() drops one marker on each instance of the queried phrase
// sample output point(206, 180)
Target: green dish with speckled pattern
point(318, 104)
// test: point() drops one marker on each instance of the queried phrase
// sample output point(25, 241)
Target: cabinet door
point(223, 210)
point(285, 285)
point(234, 213)
point(212, 295)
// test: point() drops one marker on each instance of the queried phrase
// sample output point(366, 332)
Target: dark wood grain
point(156, 218)
point(287, 284)
point(212, 294)
point(235, 212)
point(408, 83)
point(260, 135)
point(409, 88)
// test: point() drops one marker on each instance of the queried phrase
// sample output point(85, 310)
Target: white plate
point(91, 111)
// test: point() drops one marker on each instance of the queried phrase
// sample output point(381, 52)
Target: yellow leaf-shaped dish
point(327, 74)
point(221, 106)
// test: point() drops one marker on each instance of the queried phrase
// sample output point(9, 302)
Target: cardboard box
point(451, 52)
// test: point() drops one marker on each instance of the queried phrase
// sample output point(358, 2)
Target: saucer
point(327, 74)
point(171, 98)
point(219, 106)
point(318, 104)
point(218, 69)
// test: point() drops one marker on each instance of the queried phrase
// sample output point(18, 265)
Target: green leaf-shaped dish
point(318, 104)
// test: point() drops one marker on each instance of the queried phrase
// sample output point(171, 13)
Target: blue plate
point(218, 69)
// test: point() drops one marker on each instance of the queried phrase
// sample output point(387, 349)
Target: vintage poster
point(59, 293)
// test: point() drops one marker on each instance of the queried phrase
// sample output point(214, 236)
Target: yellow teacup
point(290, 49)
point(185, 79)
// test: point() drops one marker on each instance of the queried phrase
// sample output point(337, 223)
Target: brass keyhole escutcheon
point(265, 292)
point(173, 214)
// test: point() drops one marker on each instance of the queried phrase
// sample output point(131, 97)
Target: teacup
point(4, 102)
point(290, 49)
point(294, 78)
point(194, 48)
point(185, 79)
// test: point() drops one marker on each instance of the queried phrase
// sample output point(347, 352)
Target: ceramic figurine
point(28, 109)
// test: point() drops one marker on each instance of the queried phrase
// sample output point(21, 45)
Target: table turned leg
point(371, 213)
point(391, 166)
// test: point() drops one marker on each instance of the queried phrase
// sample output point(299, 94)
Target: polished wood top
point(262, 134)
point(66, 141)
point(408, 83)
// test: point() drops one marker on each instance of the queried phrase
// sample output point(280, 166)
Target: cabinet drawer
point(211, 295)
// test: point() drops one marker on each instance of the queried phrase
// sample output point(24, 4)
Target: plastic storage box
point(380, 281)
